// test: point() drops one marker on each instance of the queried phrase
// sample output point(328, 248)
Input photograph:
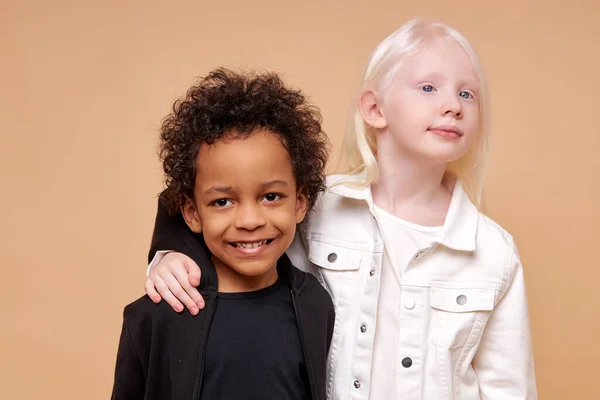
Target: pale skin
point(427, 117)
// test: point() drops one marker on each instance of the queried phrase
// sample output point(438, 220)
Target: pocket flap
point(333, 257)
point(462, 300)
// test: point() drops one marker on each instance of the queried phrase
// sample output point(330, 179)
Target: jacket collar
point(460, 226)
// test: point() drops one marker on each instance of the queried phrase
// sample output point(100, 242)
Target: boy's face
point(246, 202)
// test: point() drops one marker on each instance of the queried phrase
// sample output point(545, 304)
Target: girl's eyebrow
point(436, 76)
point(428, 76)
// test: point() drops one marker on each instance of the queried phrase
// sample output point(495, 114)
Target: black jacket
point(160, 351)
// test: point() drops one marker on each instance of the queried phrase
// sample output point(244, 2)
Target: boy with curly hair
point(244, 159)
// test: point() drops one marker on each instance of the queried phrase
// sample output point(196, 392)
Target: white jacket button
point(461, 300)
point(332, 257)
point(409, 304)
point(406, 362)
point(356, 384)
point(372, 272)
point(363, 328)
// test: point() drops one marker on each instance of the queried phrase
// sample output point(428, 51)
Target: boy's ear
point(301, 205)
point(369, 105)
point(191, 215)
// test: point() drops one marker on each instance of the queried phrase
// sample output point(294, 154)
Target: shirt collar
point(460, 227)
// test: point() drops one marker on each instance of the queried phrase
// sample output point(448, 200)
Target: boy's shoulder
point(144, 309)
point(143, 313)
point(309, 287)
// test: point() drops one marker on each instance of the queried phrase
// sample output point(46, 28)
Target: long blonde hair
point(388, 57)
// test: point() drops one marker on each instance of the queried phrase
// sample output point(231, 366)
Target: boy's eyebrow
point(229, 189)
point(219, 189)
point(274, 182)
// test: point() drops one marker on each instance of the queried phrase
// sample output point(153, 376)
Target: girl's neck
point(411, 189)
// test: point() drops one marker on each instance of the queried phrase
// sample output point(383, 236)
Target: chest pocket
point(338, 268)
point(458, 315)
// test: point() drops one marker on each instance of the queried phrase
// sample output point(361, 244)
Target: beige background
point(83, 88)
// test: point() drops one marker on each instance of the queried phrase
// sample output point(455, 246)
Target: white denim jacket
point(465, 322)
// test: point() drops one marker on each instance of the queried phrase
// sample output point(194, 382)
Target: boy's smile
point(247, 206)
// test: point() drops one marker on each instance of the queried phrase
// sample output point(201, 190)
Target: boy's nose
point(249, 217)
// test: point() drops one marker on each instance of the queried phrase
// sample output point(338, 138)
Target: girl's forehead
point(440, 57)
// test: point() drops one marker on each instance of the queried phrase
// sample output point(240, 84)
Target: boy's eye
point(272, 197)
point(427, 88)
point(221, 202)
point(466, 95)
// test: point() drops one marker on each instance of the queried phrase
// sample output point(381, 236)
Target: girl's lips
point(449, 132)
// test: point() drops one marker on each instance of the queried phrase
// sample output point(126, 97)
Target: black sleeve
point(172, 233)
point(129, 374)
point(330, 322)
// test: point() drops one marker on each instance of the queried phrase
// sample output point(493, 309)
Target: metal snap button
point(332, 257)
point(461, 300)
point(406, 362)
point(409, 304)
point(372, 272)
point(356, 384)
point(363, 328)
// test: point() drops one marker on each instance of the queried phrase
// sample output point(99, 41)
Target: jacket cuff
point(158, 256)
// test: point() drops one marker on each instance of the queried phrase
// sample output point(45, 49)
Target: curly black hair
point(226, 103)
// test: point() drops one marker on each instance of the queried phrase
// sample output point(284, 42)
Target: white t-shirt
point(402, 240)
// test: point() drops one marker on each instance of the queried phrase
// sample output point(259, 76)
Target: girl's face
point(431, 109)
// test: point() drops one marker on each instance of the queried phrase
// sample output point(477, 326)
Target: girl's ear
point(369, 105)
point(191, 215)
point(301, 205)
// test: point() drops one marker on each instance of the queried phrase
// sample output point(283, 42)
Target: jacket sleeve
point(129, 374)
point(171, 233)
point(504, 360)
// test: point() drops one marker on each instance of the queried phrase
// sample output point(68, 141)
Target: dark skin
point(247, 205)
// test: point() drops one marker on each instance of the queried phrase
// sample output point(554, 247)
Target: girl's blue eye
point(466, 95)
point(427, 88)
point(222, 202)
point(272, 197)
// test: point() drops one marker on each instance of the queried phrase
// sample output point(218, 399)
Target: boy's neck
point(230, 281)
point(412, 190)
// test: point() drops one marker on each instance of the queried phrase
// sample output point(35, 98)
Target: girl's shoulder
point(490, 232)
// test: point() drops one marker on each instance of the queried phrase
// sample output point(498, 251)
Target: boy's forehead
point(253, 160)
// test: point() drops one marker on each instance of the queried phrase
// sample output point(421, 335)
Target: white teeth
point(250, 245)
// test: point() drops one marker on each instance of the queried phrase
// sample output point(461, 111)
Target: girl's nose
point(452, 106)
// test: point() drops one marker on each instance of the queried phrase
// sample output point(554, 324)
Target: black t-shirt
point(254, 349)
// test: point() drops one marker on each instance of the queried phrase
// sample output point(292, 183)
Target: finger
point(166, 294)
point(194, 279)
point(191, 291)
point(151, 291)
point(193, 271)
point(179, 292)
